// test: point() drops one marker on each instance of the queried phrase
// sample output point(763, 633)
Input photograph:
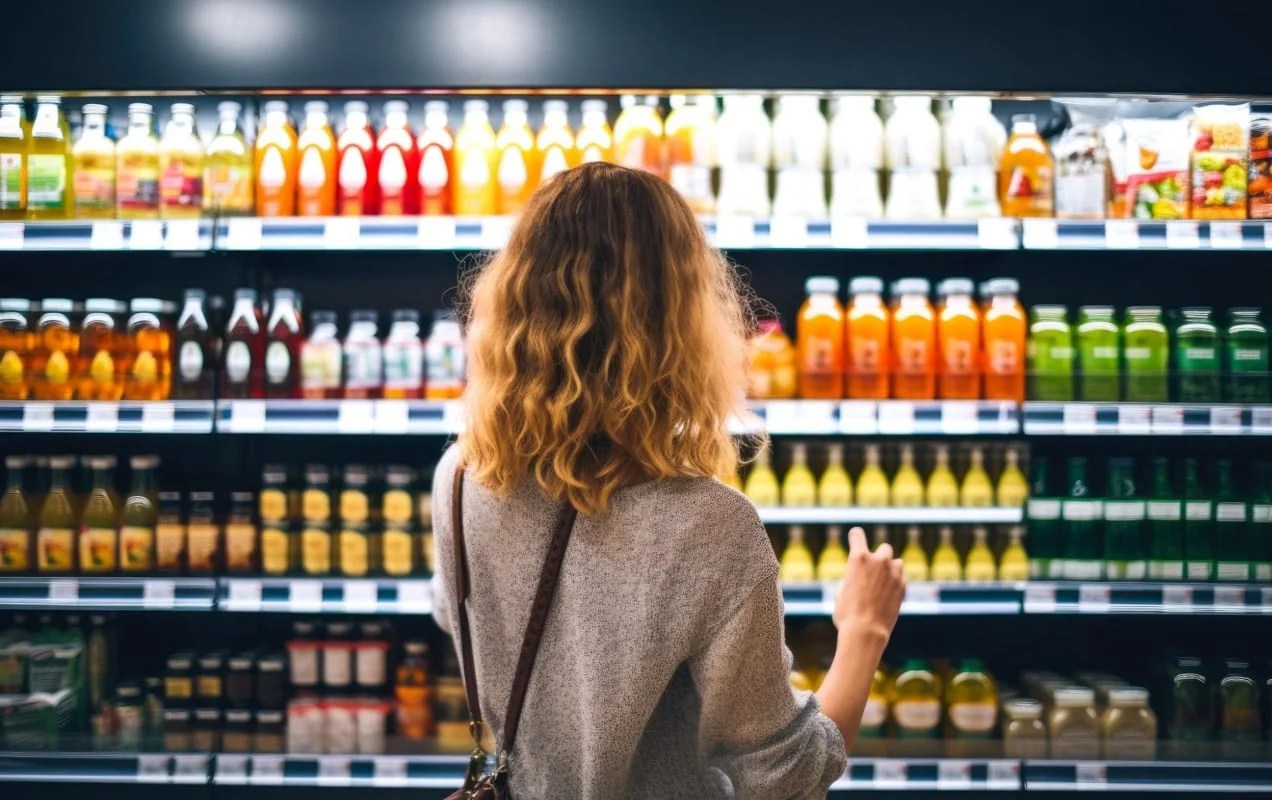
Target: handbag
point(478, 784)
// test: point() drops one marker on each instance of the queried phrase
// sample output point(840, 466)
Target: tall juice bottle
point(56, 348)
point(1003, 335)
point(555, 142)
point(140, 517)
point(399, 163)
point(276, 163)
point(1145, 355)
point(55, 531)
point(436, 144)
point(137, 166)
point(444, 358)
point(980, 559)
point(1012, 489)
point(15, 150)
point(913, 341)
point(99, 520)
point(833, 557)
point(1199, 526)
point(798, 486)
point(181, 166)
point(1046, 532)
point(1099, 354)
point(976, 490)
point(916, 701)
point(771, 363)
point(1165, 527)
point(1233, 550)
point(316, 178)
point(914, 560)
point(412, 690)
point(942, 488)
point(243, 374)
point(1026, 172)
point(761, 482)
point(834, 488)
point(1013, 565)
point(49, 185)
point(357, 164)
point(946, 565)
point(796, 563)
point(868, 354)
point(16, 520)
point(284, 334)
point(819, 339)
point(638, 135)
point(690, 132)
point(872, 484)
point(94, 167)
point(958, 329)
point(1083, 549)
point(17, 343)
point(595, 141)
point(228, 187)
point(1125, 544)
point(907, 486)
point(517, 157)
point(476, 189)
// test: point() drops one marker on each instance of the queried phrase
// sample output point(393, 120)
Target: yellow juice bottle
point(94, 157)
point(49, 192)
point(1013, 489)
point(517, 171)
point(830, 564)
point(971, 702)
point(475, 189)
point(914, 560)
point(595, 141)
point(916, 701)
point(796, 563)
point(976, 491)
point(555, 142)
point(876, 713)
point(761, 483)
point(1014, 564)
point(15, 150)
point(879, 535)
point(907, 486)
point(228, 185)
point(872, 484)
point(980, 559)
point(942, 487)
point(946, 565)
point(137, 166)
point(181, 166)
point(834, 488)
point(798, 487)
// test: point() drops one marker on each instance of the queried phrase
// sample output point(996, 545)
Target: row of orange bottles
point(911, 350)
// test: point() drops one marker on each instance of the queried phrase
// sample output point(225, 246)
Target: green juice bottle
point(1146, 354)
point(15, 150)
point(1046, 542)
point(1196, 355)
point(49, 189)
point(1165, 527)
point(1261, 526)
point(1083, 542)
point(1199, 553)
point(1232, 546)
point(1050, 354)
point(1125, 551)
point(1246, 357)
point(1099, 354)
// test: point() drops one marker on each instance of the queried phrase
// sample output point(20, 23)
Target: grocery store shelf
point(114, 768)
point(1129, 234)
point(864, 515)
point(363, 233)
point(338, 416)
point(1145, 598)
point(109, 594)
point(921, 599)
point(326, 595)
point(887, 417)
point(1145, 419)
point(1148, 776)
point(931, 775)
point(162, 416)
point(746, 233)
point(416, 772)
point(192, 235)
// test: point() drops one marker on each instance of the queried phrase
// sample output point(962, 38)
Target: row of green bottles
point(1153, 532)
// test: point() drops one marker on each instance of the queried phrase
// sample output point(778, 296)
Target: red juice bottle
point(243, 374)
point(195, 350)
point(284, 335)
point(437, 159)
point(399, 163)
point(357, 187)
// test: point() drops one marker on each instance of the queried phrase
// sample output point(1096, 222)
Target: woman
point(606, 346)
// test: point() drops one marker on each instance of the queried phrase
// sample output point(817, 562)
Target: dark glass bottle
point(1166, 527)
point(1232, 515)
point(1046, 543)
point(1246, 357)
point(1124, 546)
point(1199, 514)
point(195, 351)
point(243, 368)
point(1083, 543)
point(1261, 525)
point(284, 337)
point(1196, 356)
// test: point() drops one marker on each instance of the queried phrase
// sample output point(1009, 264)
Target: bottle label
point(694, 182)
point(912, 356)
point(1081, 510)
point(1043, 509)
point(1166, 570)
point(272, 504)
point(190, 361)
point(396, 505)
point(363, 367)
point(1080, 195)
point(1138, 354)
point(315, 551)
point(1126, 570)
point(554, 161)
point(98, 549)
point(1104, 352)
point(94, 183)
point(1230, 512)
point(876, 712)
point(973, 717)
point(228, 187)
point(203, 546)
point(275, 559)
point(102, 368)
point(170, 544)
point(1080, 569)
point(1232, 571)
point(15, 548)
point(1004, 357)
point(1197, 511)
point(512, 170)
point(354, 507)
point(57, 369)
point(959, 356)
point(1263, 572)
point(136, 548)
point(11, 195)
point(315, 505)
point(1198, 570)
point(145, 369)
point(1164, 510)
point(353, 553)
point(240, 547)
point(238, 361)
point(352, 176)
point(181, 185)
point(917, 716)
point(138, 182)
point(434, 174)
point(1123, 510)
point(403, 365)
point(474, 170)
point(11, 368)
point(392, 181)
point(273, 173)
point(46, 182)
point(320, 366)
point(55, 548)
point(397, 551)
point(277, 363)
point(1261, 512)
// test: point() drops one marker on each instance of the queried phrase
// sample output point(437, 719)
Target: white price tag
point(1134, 419)
point(1267, 235)
point(1121, 234)
point(101, 417)
point(389, 771)
point(12, 235)
point(1078, 418)
point(1225, 419)
point(145, 234)
point(1040, 598)
point(1177, 598)
point(1265, 594)
point(305, 595)
point(896, 417)
point(64, 590)
point(1168, 419)
point(1090, 774)
point(495, 232)
point(996, 233)
point(153, 767)
point(231, 769)
point(1261, 419)
point(360, 596)
point(392, 416)
point(1040, 234)
point(889, 774)
point(37, 416)
point(247, 416)
point(243, 233)
point(1003, 775)
point(960, 416)
point(1226, 236)
point(952, 774)
point(190, 769)
point(334, 771)
point(859, 417)
point(244, 595)
point(356, 416)
point(414, 596)
point(1229, 597)
point(1182, 234)
point(1093, 598)
point(159, 594)
point(800, 416)
point(267, 770)
point(787, 231)
point(158, 417)
point(453, 416)
point(734, 231)
point(851, 233)
point(437, 233)
point(922, 598)
point(106, 236)
point(183, 234)
point(830, 595)
point(342, 233)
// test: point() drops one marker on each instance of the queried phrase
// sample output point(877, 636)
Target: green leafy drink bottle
point(1232, 545)
point(1046, 560)
point(1126, 556)
point(1196, 356)
point(1050, 354)
point(1166, 527)
point(1083, 544)
point(1246, 357)
point(1199, 554)
point(1098, 354)
point(1146, 354)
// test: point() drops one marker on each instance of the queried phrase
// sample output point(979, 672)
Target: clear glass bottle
point(1099, 354)
point(99, 521)
point(137, 166)
point(17, 341)
point(1128, 726)
point(321, 358)
point(1196, 356)
point(195, 346)
point(363, 356)
point(147, 354)
point(404, 357)
point(243, 371)
point(181, 166)
point(284, 336)
point(140, 517)
point(94, 158)
point(50, 194)
point(1051, 354)
point(16, 535)
point(1024, 732)
point(444, 358)
point(15, 152)
point(1145, 355)
point(228, 184)
point(1246, 357)
point(1073, 725)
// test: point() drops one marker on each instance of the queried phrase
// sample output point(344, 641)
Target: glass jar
point(271, 684)
point(206, 734)
point(1051, 354)
point(176, 729)
point(1128, 727)
point(16, 342)
point(1245, 357)
point(240, 535)
point(147, 358)
point(98, 373)
point(1196, 356)
point(129, 715)
point(178, 681)
point(238, 681)
point(56, 348)
point(238, 731)
point(1024, 732)
point(1073, 724)
point(209, 681)
point(1146, 355)
point(269, 732)
point(1098, 354)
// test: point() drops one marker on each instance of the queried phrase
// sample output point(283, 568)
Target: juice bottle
point(321, 358)
point(980, 559)
point(946, 565)
point(1014, 563)
point(316, 182)
point(17, 341)
point(1046, 532)
point(283, 337)
point(1199, 524)
point(444, 358)
point(98, 371)
point(856, 158)
point(57, 346)
point(140, 517)
point(137, 166)
point(916, 701)
point(170, 535)
point(800, 145)
point(771, 370)
point(16, 521)
point(872, 484)
point(203, 536)
point(277, 556)
point(15, 150)
point(399, 522)
point(1125, 544)
point(1082, 552)
point(228, 188)
point(914, 560)
point(399, 161)
point(913, 341)
point(638, 135)
point(834, 488)
point(1233, 545)
point(976, 490)
point(315, 538)
point(907, 487)
point(1164, 510)
point(798, 487)
point(1025, 171)
point(868, 353)
point(275, 163)
point(55, 534)
point(404, 357)
point(555, 142)
point(517, 159)
point(195, 350)
point(476, 161)
point(181, 166)
point(358, 550)
point(942, 489)
point(796, 563)
point(1050, 354)
point(94, 161)
point(959, 337)
point(971, 701)
point(744, 151)
point(363, 356)
point(691, 149)
point(413, 713)
point(99, 520)
point(240, 537)
point(1003, 334)
point(1146, 355)
point(357, 161)
point(146, 362)
point(761, 482)
point(1098, 354)
point(242, 375)
point(595, 141)
point(820, 341)
point(437, 159)
point(1013, 489)
point(1246, 357)
point(833, 558)
point(1197, 356)
point(49, 186)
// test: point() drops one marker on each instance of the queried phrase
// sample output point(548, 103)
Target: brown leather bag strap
point(461, 602)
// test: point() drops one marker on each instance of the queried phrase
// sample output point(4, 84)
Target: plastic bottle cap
point(406, 315)
point(229, 107)
point(595, 107)
point(144, 462)
point(356, 107)
point(103, 305)
point(1002, 286)
point(476, 106)
point(515, 106)
point(146, 305)
point(276, 107)
point(177, 108)
point(10, 100)
point(316, 107)
point(397, 107)
point(955, 286)
point(48, 99)
point(140, 108)
point(652, 100)
point(14, 304)
point(912, 286)
point(822, 284)
point(245, 294)
point(738, 100)
point(973, 104)
point(866, 285)
point(363, 315)
point(627, 100)
point(57, 304)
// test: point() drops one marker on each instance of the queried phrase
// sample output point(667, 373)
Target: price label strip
point(247, 416)
point(953, 775)
point(64, 591)
point(154, 768)
point(1121, 234)
point(356, 416)
point(190, 769)
point(305, 596)
point(158, 417)
point(1003, 775)
point(414, 596)
point(1078, 418)
point(1226, 236)
point(787, 231)
point(800, 416)
point(860, 417)
point(851, 233)
point(437, 233)
point(267, 770)
point(145, 235)
point(37, 416)
point(389, 771)
point(996, 233)
point(890, 774)
point(960, 417)
point(1040, 234)
point(1091, 775)
point(101, 418)
point(1177, 599)
point(244, 595)
point(1230, 598)
point(1183, 235)
point(735, 231)
point(392, 416)
point(12, 235)
point(1168, 419)
point(1225, 419)
point(183, 234)
point(243, 234)
point(231, 769)
point(1093, 598)
point(342, 233)
point(361, 597)
point(159, 594)
point(1040, 599)
point(106, 236)
point(1134, 420)
point(334, 771)
point(896, 417)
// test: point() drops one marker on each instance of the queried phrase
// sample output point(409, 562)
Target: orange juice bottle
point(1025, 171)
point(437, 153)
point(913, 341)
point(691, 149)
point(638, 136)
point(958, 329)
point(57, 346)
point(1003, 326)
point(316, 176)
point(771, 370)
point(867, 336)
point(517, 164)
point(556, 141)
point(819, 340)
point(595, 141)
point(476, 157)
point(276, 163)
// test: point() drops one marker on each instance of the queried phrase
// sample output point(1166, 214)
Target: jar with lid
point(1073, 724)
point(147, 356)
point(178, 681)
point(209, 681)
point(1099, 345)
point(16, 343)
point(1128, 727)
point(269, 731)
point(358, 550)
point(1197, 356)
point(239, 678)
point(206, 734)
point(1024, 732)
point(1145, 355)
point(176, 729)
point(57, 347)
point(315, 537)
point(274, 504)
point(1050, 354)
point(371, 655)
point(238, 731)
point(240, 535)
point(337, 657)
point(98, 373)
point(398, 511)
point(271, 683)
point(304, 654)
point(203, 535)
point(1192, 717)
point(129, 715)
point(1245, 357)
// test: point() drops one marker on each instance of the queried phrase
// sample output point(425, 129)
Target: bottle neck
point(284, 312)
point(143, 484)
point(181, 125)
point(356, 120)
point(244, 311)
point(193, 313)
point(94, 126)
point(139, 125)
point(16, 479)
point(102, 479)
point(228, 125)
point(59, 477)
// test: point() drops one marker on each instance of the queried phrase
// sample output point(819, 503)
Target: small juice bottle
point(958, 335)
point(761, 482)
point(691, 149)
point(399, 161)
point(276, 163)
point(15, 150)
point(99, 520)
point(98, 370)
point(971, 701)
point(555, 143)
point(638, 136)
point(16, 520)
point(181, 166)
point(595, 141)
point(242, 375)
point(321, 359)
point(227, 167)
point(820, 341)
point(942, 489)
point(914, 560)
point(1014, 564)
point(404, 357)
point(834, 488)
point(1013, 489)
point(57, 346)
point(444, 358)
point(771, 371)
point(517, 168)
point(137, 166)
point(913, 341)
point(195, 366)
point(872, 484)
point(49, 187)
point(437, 159)
point(1003, 333)
point(831, 562)
point(147, 352)
point(796, 563)
point(946, 565)
point(316, 178)
point(907, 486)
point(284, 335)
point(17, 342)
point(1026, 172)
point(476, 159)
point(358, 159)
point(976, 490)
point(868, 355)
point(980, 559)
point(94, 157)
point(798, 487)
point(363, 356)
